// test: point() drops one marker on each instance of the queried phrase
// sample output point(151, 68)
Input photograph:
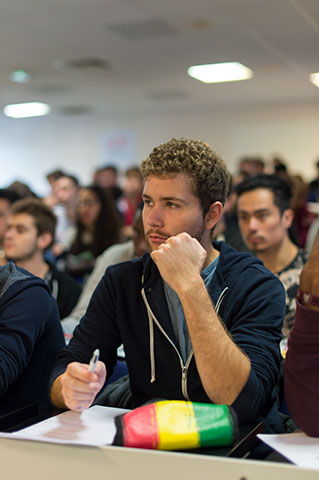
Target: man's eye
point(171, 205)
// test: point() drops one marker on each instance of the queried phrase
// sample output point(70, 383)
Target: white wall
point(30, 148)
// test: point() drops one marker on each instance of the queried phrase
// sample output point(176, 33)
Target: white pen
point(94, 360)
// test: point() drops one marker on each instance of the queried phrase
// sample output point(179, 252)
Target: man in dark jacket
point(29, 234)
point(30, 339)
point(199, 321)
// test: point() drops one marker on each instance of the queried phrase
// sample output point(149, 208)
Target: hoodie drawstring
point(150, 322)
point(152, 319)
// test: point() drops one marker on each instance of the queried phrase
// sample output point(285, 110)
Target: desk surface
point(247, 435)
point(35, 461)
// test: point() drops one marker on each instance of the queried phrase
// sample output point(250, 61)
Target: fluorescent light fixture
point(24, 110)
point(314, 78)
point(20, 76)
point(220, 72)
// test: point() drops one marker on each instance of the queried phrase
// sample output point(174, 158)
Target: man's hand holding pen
point(81, 384)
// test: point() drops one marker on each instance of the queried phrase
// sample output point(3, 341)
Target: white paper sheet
point(94, 427)
point(297, 447)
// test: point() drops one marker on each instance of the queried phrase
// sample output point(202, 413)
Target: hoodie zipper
point(185, 367)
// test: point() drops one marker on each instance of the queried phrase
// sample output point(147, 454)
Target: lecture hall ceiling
point(108, 57)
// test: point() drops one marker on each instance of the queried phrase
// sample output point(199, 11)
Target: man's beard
point(23, 258)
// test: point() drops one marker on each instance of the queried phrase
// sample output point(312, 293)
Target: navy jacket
point(30, 339)
point(250, 301)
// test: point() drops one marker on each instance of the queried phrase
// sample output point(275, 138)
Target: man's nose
point(155, 218)
point(9, 232)
point(253, 224)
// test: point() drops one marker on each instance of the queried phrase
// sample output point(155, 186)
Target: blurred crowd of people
point(304, 197)
point(90, 218)
point(59, 237)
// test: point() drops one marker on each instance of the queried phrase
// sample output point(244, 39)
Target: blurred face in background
point(21, 238)
point(65, 191)
point(262, 225)
point(106, 178)
point(88, 206)
point(133, 185)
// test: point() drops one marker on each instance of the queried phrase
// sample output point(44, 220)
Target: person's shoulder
point(233, 262)
point(245, 271)
point(295, 265)
point(13, 278)
point(20, 287)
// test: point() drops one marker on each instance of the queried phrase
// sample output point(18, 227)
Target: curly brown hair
point(207, 171)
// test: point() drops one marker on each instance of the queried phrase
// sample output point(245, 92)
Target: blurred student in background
point(130, 199)
point(29, 234)
point(65, 191)
point(107, 178)
point(265, 217)
point(7, 198)
point(98, 226)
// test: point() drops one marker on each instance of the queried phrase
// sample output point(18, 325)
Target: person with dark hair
point(22, 189)
point(65, 192)
point(251, 165)
point(97, 228)
point(107, 178)
point(130, 199)
point(7, 198)
point(52, 177)
point(198, 321)
point(30, 233)
point(264, 217)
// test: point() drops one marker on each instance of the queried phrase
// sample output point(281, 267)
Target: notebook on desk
point(92, 427)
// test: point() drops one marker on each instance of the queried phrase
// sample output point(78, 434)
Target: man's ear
point(213, 215)
point(44, 240)
point(288, 217)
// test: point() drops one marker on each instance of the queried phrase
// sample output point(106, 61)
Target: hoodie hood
point(10, 281)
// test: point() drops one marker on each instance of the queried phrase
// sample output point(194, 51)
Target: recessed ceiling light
point(314, 78)
point(220, 72)
point(25, 110)
point(20, 76)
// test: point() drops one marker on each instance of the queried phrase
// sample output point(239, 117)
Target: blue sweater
point(30, 339)
point(250, 301)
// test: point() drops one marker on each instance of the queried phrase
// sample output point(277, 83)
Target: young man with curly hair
point(199, 321)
